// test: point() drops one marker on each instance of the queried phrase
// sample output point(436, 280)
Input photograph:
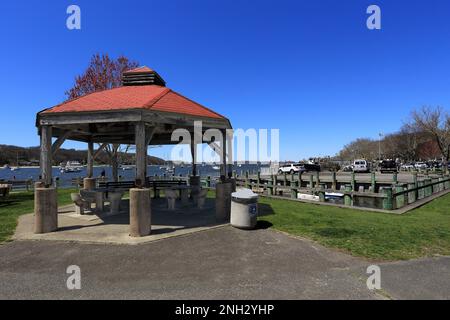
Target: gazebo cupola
point(142, 76)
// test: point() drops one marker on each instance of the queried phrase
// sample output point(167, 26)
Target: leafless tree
point(434, 121)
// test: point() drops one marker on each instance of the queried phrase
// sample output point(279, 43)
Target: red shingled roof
point(151, 97)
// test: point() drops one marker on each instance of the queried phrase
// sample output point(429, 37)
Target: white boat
point(71, 167)
point(216, 168)
point(14, 168)
point(6, 166)
point(70, 170)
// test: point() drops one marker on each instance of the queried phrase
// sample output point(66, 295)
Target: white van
point(361, 165)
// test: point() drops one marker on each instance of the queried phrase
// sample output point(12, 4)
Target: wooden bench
point(18, 184)
point(117, 185)
point(5, 189)
point(78, 182)
point(157, 185)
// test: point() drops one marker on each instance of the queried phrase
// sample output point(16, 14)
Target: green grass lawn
point(421, 232)
point(19, 203)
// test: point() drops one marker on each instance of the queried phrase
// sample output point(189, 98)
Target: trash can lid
point(244, 194)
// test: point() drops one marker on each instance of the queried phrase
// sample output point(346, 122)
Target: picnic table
point(183, 190)
point(100, 195)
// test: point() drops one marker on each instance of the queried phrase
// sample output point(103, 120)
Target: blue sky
point(310, 68)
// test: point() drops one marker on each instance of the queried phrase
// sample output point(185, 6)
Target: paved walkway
point(114, 229)
point(221, 263)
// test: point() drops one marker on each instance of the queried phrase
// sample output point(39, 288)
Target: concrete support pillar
point(223, 201)
point(45, 210)
point(89, 183)
point(140, 212)
point(46, 155)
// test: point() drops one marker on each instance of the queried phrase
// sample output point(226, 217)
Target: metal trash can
point(244, 209)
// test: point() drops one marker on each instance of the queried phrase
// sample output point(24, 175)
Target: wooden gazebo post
point(140, 209)
point(89, 181)
point(223, 166)
point(45, 200)
point(46, 155)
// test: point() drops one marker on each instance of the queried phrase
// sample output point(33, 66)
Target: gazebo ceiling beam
point(152, 118)
point(59, 141)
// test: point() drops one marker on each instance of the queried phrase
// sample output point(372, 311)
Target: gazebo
point(142, 112)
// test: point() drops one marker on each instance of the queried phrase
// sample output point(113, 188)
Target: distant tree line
point(30, 156)
point(425, 136)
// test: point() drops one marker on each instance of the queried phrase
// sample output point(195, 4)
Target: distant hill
point(30, 156)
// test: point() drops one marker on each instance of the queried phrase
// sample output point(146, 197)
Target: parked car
point(290, 168)
point(434, 164)
point(311, 167)
point(407, 167)
point(348, 168)
point(388, 166)
point(420, 165)
point(361, 165)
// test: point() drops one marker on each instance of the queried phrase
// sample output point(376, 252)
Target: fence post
point(311, 181)
point(395, 178)
point(399, 199)
point(412, 195)
point(284, 179)
point(416, 184)
point(274, 184)
point(208, 181)
point(333, 180)
point(421, 190)
point(387, 201)
point(353, 181)
point(258, 180)
point(270, 186)
point(322, 194)
point(293, 189)
point(246, 179)
point(373, 181)
point(348, 201)
point(428, 187)
point(441, 184)
point(434, 187)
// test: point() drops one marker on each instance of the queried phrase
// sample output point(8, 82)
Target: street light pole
point(379, 145)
